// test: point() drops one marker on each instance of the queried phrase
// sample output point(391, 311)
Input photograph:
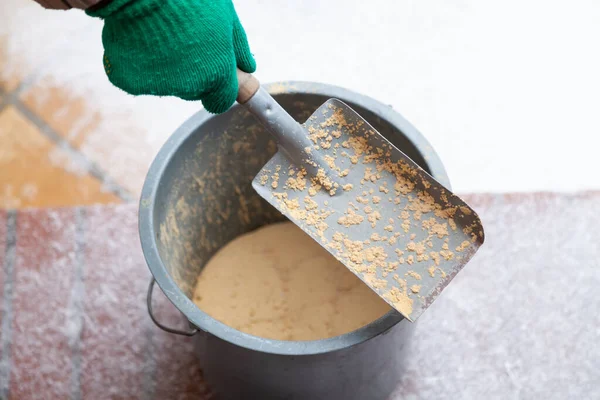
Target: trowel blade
point(389, 222)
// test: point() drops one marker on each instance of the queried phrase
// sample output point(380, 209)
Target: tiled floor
point(520, 321)
point(29, 172)
point(67, 136)
point(37, 166)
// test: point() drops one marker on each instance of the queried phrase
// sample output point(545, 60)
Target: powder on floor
point(278, 283)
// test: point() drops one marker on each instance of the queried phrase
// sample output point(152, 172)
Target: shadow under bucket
point(198, 197)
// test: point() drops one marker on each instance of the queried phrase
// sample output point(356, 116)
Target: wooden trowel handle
point(248, 85)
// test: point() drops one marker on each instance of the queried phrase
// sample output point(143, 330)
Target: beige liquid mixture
point(278, 283)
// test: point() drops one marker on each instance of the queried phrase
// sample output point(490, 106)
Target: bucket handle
point(161, 326)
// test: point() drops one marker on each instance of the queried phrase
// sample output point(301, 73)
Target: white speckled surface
point(522, 320)
point(506, 91)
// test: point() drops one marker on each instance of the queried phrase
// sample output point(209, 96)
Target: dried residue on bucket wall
point(215, 198)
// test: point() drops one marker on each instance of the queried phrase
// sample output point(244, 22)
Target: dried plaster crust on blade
point(414, 207)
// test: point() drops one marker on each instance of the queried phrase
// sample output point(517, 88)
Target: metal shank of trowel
point(291, 137)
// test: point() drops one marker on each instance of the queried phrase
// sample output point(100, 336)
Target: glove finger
point(219, 99)
point(243, 55)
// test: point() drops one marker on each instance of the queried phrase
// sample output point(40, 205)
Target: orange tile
point(76, 120)
point(35, 173)
point(63, 112)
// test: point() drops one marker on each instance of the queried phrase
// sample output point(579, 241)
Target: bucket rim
point(148, 231)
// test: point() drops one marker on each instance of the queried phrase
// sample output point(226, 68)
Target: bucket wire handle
point(161, 326)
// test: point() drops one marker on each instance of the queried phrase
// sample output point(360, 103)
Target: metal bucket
point(198, 196)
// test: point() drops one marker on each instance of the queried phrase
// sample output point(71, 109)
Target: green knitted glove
point(183, 48)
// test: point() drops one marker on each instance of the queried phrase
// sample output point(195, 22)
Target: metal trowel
point(387, 220)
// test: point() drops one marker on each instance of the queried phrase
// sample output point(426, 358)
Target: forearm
point(67, 4)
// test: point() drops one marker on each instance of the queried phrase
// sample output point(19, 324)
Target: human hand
point(184, 48)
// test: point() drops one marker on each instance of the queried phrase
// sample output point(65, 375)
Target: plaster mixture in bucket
point(278, 283)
